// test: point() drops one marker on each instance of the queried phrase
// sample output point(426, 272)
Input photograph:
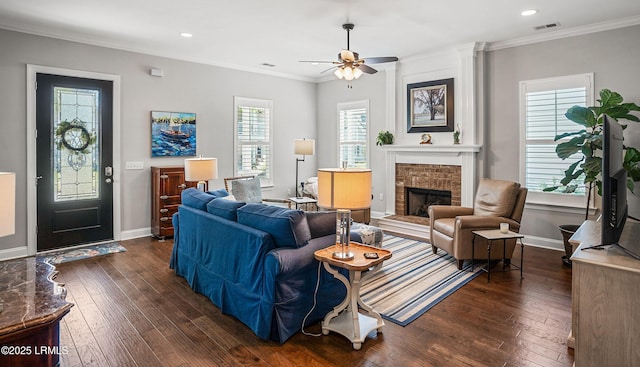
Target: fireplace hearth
point(418, 200)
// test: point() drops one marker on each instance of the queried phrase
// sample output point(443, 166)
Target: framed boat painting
point(430, 106)
point(173, 134)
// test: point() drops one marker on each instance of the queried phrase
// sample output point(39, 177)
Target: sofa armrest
point(448, 211)
point(293, 260)
point(321, 223)
point(473, 222)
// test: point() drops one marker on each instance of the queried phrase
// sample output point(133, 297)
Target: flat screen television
point(614, 187)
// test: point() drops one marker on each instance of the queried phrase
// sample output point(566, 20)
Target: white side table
point(346, 319)
point(304, 201)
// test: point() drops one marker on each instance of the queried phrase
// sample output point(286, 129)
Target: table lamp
point(201, 170)
point(344, 189)
point(8, 206)
point(302, 147)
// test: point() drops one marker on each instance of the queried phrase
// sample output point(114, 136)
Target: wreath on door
point(74, 136)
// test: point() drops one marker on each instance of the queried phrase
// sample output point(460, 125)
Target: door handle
point(108, 180)
point(108, 171)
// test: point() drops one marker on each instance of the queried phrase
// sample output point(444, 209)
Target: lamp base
point(338, 255)
point(201, 185)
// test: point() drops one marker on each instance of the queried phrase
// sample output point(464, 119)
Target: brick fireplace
point(428, 177)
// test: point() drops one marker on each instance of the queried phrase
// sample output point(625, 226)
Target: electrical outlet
point(134, 165)
point(381, 196)
point(289, 192)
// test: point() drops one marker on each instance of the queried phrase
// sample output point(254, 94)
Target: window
point(253, 140)
point(543, 104)
point(353, 134)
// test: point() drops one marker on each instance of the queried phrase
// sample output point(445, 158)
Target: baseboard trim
point(14, 253)
point(542, 242)
point(135, 233)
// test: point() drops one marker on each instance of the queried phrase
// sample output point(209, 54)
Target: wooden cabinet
point(167, 184)
point(605, 299)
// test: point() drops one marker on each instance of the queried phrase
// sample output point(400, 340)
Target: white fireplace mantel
point(432, 148)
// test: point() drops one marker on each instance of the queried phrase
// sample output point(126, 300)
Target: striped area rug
point(413, 280)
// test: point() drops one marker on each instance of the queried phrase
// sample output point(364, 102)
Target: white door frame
point(32, 202)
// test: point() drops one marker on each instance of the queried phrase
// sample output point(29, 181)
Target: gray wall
point(369, 87)
point(614, 58)
point(188, 87)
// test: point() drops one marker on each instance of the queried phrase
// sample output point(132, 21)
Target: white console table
point(605, 299)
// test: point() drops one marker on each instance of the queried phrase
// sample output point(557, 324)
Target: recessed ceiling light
point(528, 12)
point(186, 35)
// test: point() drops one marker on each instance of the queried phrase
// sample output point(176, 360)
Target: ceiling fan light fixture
point(357, 73)
point(339, 73)
point(348, 73)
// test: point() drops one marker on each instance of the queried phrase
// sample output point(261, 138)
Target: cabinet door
point(171, 185)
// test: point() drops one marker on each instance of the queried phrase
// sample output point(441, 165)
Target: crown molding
point(118, 46)
point(564, 33)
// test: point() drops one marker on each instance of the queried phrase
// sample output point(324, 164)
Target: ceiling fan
point(349, 65)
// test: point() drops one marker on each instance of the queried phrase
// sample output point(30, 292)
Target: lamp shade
point(304, 146)
point(200, 169)
point(8, 203)
point(344, 188)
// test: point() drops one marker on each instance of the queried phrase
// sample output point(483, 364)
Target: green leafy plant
point(588, 143)
point(384, 138)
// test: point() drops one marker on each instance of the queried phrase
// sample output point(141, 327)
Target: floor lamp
point(344, 189)
point(8, 207)
point(302, 147)
point(201, 170)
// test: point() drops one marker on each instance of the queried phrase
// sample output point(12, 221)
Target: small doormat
point(64, 256)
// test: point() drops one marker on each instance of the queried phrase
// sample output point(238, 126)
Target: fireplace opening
point(418, 201)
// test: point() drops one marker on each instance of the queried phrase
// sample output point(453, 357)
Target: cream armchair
point(496, 202)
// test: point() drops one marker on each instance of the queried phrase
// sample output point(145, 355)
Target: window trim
point(568, 81)
point(341, 106)
point(253, 102)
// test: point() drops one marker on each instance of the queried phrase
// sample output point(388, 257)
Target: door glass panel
point(76, 150)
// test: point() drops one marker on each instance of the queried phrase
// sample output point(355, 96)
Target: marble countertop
point(29, 296)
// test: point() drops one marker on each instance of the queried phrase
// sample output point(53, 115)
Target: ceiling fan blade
point(317, 62)
point(347, 55)
point(367, 69)
point(379, 60)
point(331, 68)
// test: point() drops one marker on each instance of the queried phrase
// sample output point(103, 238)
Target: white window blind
point(253, 139)
point(353, 134)
point(543, 105)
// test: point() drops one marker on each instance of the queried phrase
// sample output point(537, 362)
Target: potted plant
point(588, 142)
point(384, 138)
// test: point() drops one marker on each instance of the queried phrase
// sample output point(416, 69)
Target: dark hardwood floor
point(132, 310)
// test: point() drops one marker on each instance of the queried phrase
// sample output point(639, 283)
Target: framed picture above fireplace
point(430, 106)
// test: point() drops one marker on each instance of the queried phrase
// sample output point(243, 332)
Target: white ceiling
point(247, 33)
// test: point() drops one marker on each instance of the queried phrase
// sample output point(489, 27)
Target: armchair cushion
point(247, 190)
point(496, 198)
point(477, 222)
point(289, 228)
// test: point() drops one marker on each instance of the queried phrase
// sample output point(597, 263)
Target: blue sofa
point(255, 261)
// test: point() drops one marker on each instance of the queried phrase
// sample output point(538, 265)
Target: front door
point(74, 161)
